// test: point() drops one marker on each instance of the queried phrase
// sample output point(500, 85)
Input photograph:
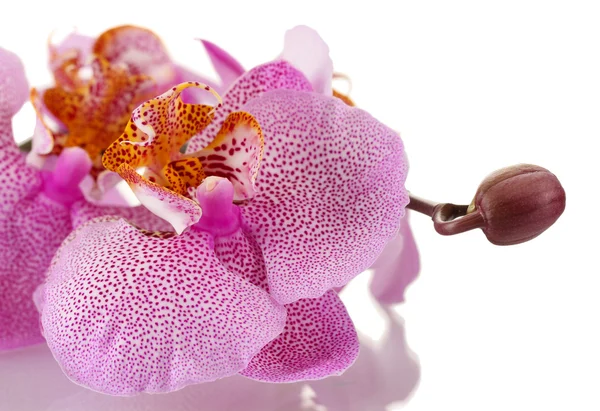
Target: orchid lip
point(153, 140)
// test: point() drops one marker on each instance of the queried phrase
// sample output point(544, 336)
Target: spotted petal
point(126, 312)
point(319, 338)
point(330, 193)
point(235, 153)
point(31, 226)
point(140, 50)
point(306, 50)
point(14, 91)
point(270, 76)
point(397, 267)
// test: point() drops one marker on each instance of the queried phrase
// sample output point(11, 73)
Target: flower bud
point(518, 203)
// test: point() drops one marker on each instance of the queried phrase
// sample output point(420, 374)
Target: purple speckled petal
point(31, 225)
point(83, 212)
point(319, 340)
point(14, 91)
point(329, 194)
point(126, 311)
point(31, 231)
point(228, 68)
point(270, 76)
point(396, 267)
point(306, 50)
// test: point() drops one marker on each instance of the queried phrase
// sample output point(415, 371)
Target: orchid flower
point(246, 286)
point(306, 51)
point(41, 206)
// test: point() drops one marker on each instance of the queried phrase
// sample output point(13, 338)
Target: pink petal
point(83, 212)
point(73, 42)
point(31, 230)
point(124, 311)
point(140, 49)
point(14, 91)
point(319, 340)
point(181, 212)
point(330, 192)
point(306, 50)
point(68, 56)
point(396, 267)
point(270, 76)
point(32, 226)
point(43, 138)
point(228, 68)
point(62, 183)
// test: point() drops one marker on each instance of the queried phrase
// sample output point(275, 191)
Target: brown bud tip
point(518, 203)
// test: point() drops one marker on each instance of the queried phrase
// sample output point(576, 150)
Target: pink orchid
point(39, 209)
point(246, 288)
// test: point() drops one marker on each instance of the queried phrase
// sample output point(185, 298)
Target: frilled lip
point(135, 49)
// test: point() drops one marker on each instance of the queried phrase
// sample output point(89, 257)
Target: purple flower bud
point(518, 203)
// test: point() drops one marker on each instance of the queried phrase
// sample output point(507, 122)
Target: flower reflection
point(385, 372)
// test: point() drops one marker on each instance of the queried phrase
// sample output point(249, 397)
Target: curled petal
point(157, 130)
point(270, 76)
point(235, 153)
point(179, 211)
point(306, 50)
point(96, 113)
point(319, 340)
point(126, 312)
point(139, 49)
point(196, 96)
point(228, 68)
point(330, 193)
point(67, 57)
point(43, 137)
point(396, 267)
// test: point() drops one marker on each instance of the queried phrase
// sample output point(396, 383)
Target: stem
point(448, 219)
point(421, 205)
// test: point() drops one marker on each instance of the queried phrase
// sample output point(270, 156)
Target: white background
point(472, 86)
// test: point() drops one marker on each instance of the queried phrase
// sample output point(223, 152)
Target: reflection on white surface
point(385, 372)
